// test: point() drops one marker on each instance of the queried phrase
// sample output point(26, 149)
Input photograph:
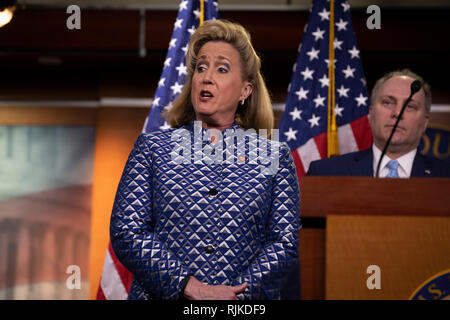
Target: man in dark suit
point(402, 159)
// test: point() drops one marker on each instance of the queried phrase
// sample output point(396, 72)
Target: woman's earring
point(242, 102)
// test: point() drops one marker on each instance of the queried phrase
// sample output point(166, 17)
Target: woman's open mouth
point(206, 95)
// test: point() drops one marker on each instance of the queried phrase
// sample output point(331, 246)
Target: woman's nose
point(208, 77)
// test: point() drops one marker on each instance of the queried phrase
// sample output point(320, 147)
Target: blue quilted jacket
point(184, 206)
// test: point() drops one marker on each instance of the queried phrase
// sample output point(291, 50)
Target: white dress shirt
point(405, 163)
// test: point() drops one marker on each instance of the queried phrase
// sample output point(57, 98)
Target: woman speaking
point(209, 209)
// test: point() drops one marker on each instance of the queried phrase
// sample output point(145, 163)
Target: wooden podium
point(350, 223)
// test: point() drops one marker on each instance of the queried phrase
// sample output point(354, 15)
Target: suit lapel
point(421, 167)
point(363, 164)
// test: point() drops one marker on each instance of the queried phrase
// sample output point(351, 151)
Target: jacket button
point(213, 192)
point(209, 248)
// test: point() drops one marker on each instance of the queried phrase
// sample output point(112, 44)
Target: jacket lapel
point(421, 167)
point(363, 163)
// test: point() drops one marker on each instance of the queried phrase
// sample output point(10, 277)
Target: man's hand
point(196, 290)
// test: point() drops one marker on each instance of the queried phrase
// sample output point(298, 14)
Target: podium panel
point(366, 197)
point(407, 249)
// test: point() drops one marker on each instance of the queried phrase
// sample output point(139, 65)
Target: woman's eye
point(201, 68)
point(223, 70)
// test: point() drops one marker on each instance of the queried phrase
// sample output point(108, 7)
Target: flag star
point(161, 82)
point(165, 126)
point(307, 74)
point(296, 114)
point(314, 121)
point(155, 102)
point(291, 134)
point(182, 69)
point(363, 82)
point(324, 15)
point(313, 54)
point(302, 94)
point(349, 72)
point(318, 34)
point(361, 100)
point(183, 5)
point(324, 81)
point(338, 111)
point(178, 23)
point(167, 62)
point(345, 6)
point(354, 52)
point(197, 14)
point(337, 44)
point(185, 49)
point(191, 30)
point(319, 101)
point(169, 106)
point(343, 91)
point(327, 61)
point(341, 25)
point(172, 43)
point(176, 88)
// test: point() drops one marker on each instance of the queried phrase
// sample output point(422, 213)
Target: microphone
point(415, 86)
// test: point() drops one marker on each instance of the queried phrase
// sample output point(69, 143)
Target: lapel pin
point(241, 159)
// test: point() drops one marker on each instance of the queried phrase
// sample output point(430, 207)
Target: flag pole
point(202, 11)
point(332, 136)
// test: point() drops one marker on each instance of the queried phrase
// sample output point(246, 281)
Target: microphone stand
point(415, 86)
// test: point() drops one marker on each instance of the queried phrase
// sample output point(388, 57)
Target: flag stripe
point(100, 294)
point(308, 152)
point(111, 283)
point(298, 163)
point(125, 276)
point(362, 132)
point(321, 144)
point(347, 142)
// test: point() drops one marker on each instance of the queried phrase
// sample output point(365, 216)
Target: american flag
point(116, 279)
point(174, 71)
point(303, 124)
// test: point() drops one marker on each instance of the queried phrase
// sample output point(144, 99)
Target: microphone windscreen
point(415, 86)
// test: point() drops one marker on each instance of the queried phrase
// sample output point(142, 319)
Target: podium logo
point(374, 281)
point(436, 287)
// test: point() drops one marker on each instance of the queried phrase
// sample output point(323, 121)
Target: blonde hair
point(257, 112)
